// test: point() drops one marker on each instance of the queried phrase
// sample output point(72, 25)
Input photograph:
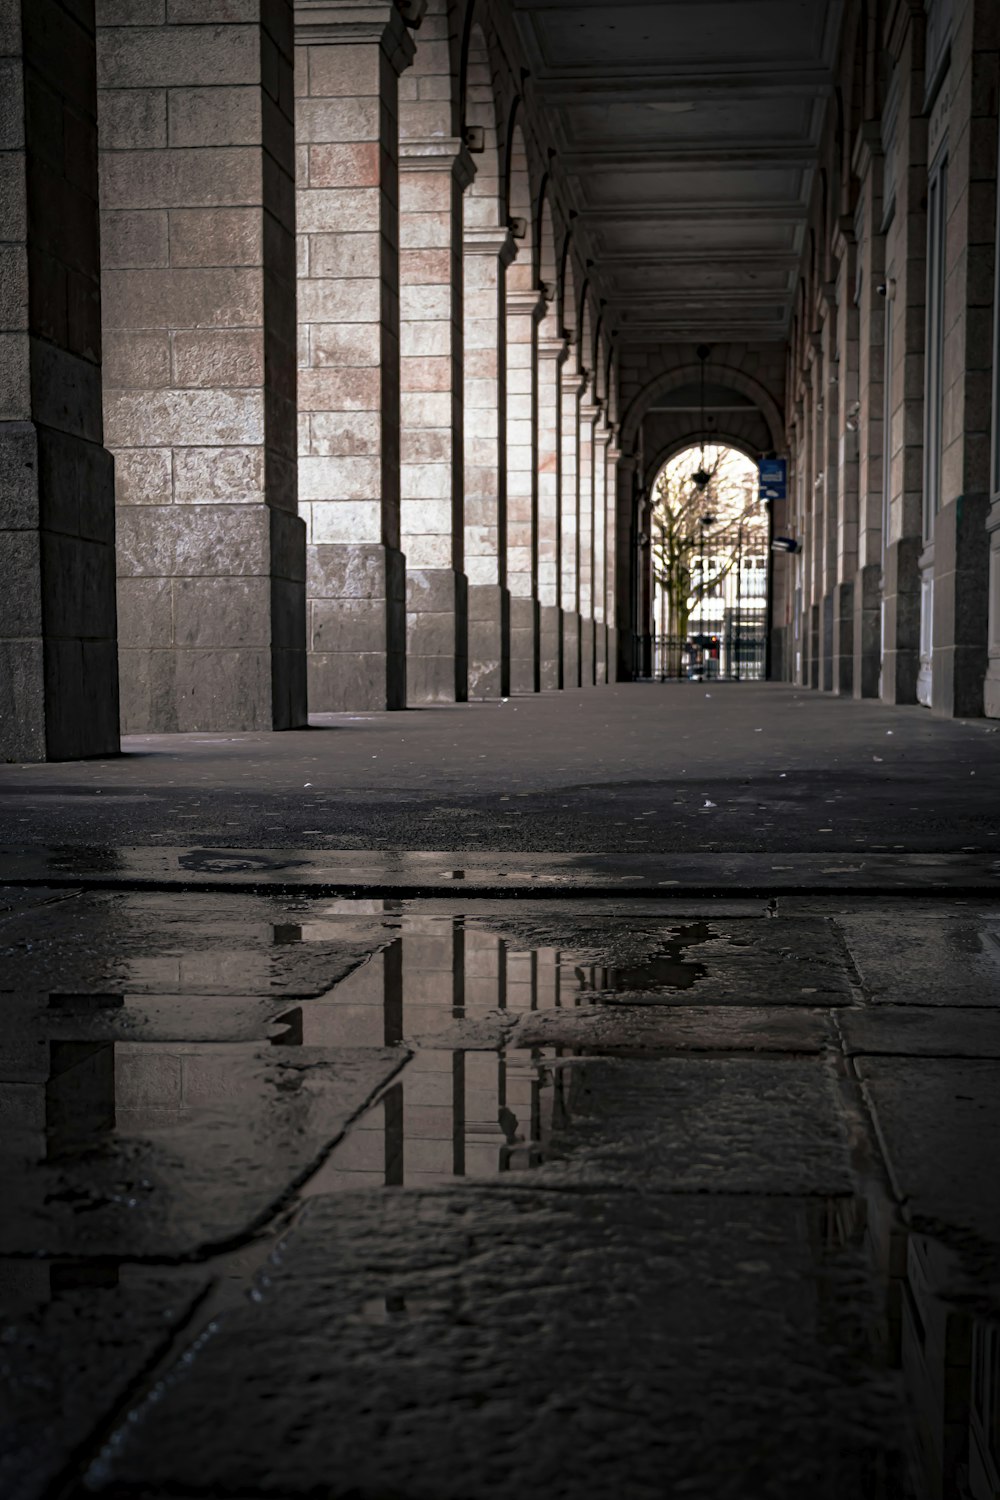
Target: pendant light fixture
point(701, 476)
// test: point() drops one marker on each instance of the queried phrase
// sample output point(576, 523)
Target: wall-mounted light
point(475, 139)
point(887, 289)
point(518, 228)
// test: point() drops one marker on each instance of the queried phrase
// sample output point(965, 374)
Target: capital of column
point(573, 383)
point(490, 240)
point(353, 23)
point(553, 350)
point(590, 411)
point(526, 305)
point(867, 148)
point(439, 154)
point(613, 455)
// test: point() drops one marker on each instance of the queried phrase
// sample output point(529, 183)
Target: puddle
point(453, 1115)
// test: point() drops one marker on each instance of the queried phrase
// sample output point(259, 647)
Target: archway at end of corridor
point(709, 554)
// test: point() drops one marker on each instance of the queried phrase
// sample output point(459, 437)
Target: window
point(937, 218)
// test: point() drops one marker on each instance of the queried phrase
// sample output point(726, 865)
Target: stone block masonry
point(348, 61)
point(197, 200)
point(58, 673)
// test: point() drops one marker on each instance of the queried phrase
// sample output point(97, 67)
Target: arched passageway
point(709, 556)
point(401, 315)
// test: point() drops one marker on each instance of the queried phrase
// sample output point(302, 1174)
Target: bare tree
point(685, 509)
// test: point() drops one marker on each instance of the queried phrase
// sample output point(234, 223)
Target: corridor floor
point(396, 1148)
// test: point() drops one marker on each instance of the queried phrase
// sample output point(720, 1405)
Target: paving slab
point(927, 957)
point(144, 942)
point(711, 960)
point(645, 767)
point(701, 1124)
point(939, 1124)
point(422, 874)
point(898, 1030)
point(691, 1028)
point(457, 1345)
point(170, 1150)
point(74, 1339)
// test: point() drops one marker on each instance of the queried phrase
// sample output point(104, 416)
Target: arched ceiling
point(688, 132)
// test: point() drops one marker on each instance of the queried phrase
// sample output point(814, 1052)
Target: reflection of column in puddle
point(485, 972)
point(433, 1084)
point(548, 986)
point(79, 1095)
point(984, 1429)
point(521, 985)
point(363, 1010)
point(936, 1354)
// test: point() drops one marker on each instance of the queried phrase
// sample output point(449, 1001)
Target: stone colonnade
point(288, 418)
point(893, 388)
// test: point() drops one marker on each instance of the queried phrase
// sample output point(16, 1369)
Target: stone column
point(197, 205)
point(524, 309)
point(906, 270)
point(622, 566)
point(349, 59)
point(551, 356)
point(433, 175)
point(991, 686)
point(963, 541)
point(602, 552)
point(611, 545)
point(486, 253)
point(572, 387)
point(867, 635)
point(58, 670)
point(589, 413)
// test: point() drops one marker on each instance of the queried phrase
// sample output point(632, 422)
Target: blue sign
point(773, 479)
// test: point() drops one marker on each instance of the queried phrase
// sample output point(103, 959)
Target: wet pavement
point(637, 768)
point(571, 1196)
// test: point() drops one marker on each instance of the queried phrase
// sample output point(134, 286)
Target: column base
point(437, 636)
point(843, 639)
point(209, 653)
point(588, 652)
point(571, 631)
point(489, 641)
point(58, 661)
point(826, 677)
point(901, 661)
point(600, 653)
point(357, 627)
point(614, 671)
point(524, 627)
point(550, 645)
point(961, 608)
point(867, 631)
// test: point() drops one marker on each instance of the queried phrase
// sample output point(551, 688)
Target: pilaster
point(487, 251)
point(551, 355)
point(433, 175)
point(349, 57)
point(524, 310)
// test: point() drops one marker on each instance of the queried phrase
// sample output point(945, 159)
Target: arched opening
point(709, 553)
